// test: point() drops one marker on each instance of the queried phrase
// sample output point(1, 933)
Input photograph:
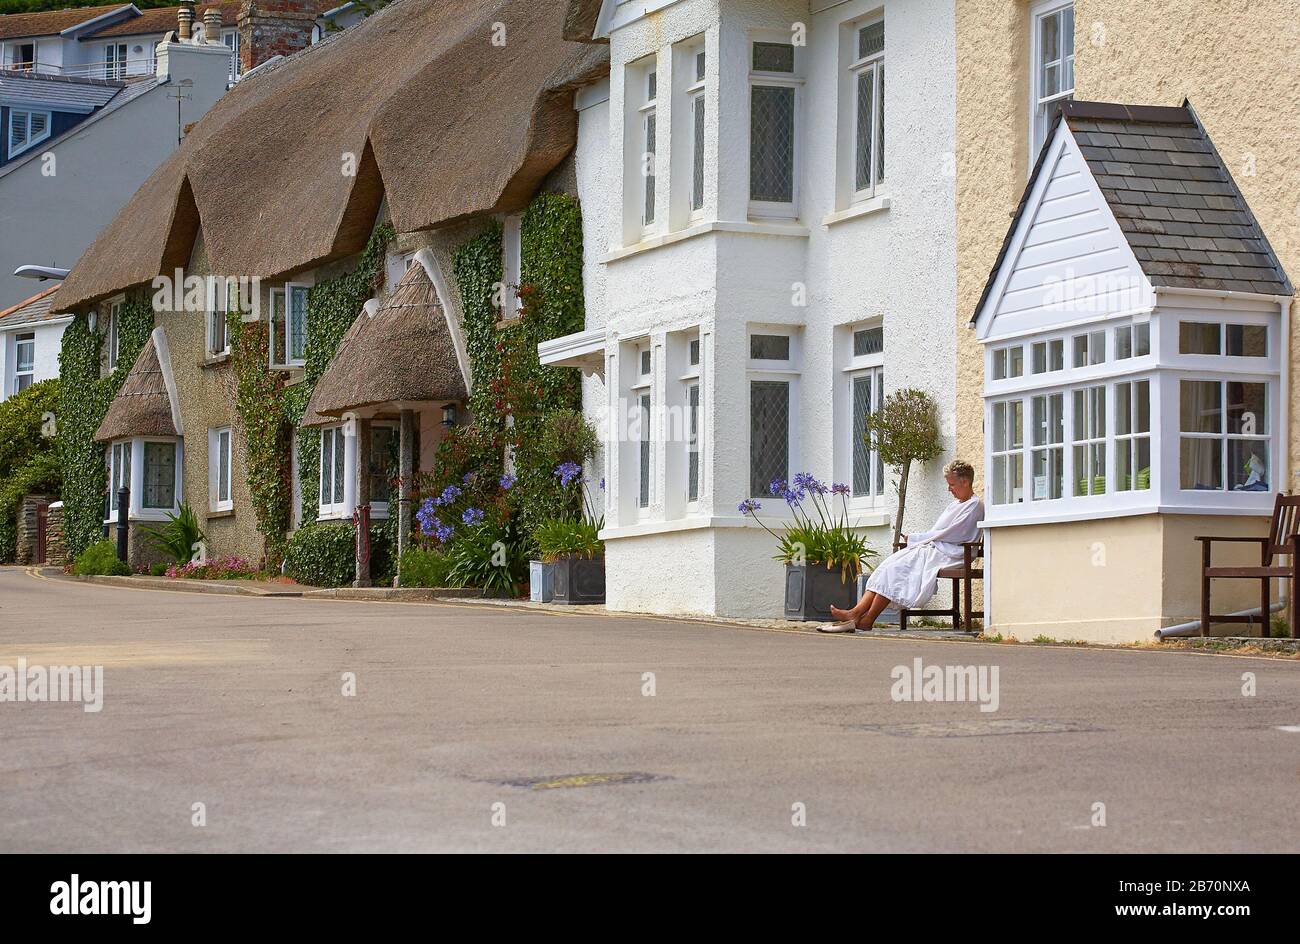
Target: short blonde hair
point(960, 469)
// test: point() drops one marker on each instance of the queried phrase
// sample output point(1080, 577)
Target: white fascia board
point(615, 14)
point(573, 350)
point(102, 20)
point(75, 108)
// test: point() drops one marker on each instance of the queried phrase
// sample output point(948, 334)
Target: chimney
point(212, 24)
point(269, 28)
point(185, 21)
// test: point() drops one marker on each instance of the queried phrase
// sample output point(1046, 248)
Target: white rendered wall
point(49, 338)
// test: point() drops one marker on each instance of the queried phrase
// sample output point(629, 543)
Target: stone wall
point(28, 511)
point(56, 548)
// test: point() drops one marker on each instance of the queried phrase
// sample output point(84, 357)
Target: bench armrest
point(1239, 540)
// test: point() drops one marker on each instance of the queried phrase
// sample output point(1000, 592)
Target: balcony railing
point(128, 68)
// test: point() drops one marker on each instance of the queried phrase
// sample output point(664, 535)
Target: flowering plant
point(819, 535)
point(228, 567)
point(572, 534)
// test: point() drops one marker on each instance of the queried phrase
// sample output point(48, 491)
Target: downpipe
point(1194, 626)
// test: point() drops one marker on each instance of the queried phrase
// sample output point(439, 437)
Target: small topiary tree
point(905, 429)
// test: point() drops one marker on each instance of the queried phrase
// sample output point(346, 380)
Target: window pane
point(1248, 468)
point(1080, 350)
point(1039, 358)
point(383, 460)
point(297, 323)
point(159, 475)
point(697, 169)
point(326, 465)
point(1097, 347)
point(693, 456)
point(880, 463)
point(1143, 448)
point(1200, 463)
point(773, 57)
point(861, 453)
point(866, 128)
point(868, 341)
point(1200, 406)
point(1050, 53)
point(1123, 464)
point(769, 434)
point(223, 466)
point(340, 454)
point(1247, 408)
point(1047, 420)
point(1123, 343)
point(1247, 340)
point(1142, 413)
point(1141, 340)
point(769, 347)
point(1049, 480)
point(871, 40)
point(880, 123)
point(771, 144)
point(643, 496)
point(1015, 361)
point(695, 351)
point(1056, 354)
point(648, 163)
point(1196, 337)
point(1123, 409)
point(645, 363)
point(1097, 407)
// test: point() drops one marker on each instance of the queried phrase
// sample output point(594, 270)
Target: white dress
point(908, 577)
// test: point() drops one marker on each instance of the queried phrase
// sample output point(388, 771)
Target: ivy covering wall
point(29, 460)
point(333, 305)
point(84, 397)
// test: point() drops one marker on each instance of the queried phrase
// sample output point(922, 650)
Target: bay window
point(772, 122)
point(333, 467)
point(151, 469)
point(1047, 456)
point(773, 374)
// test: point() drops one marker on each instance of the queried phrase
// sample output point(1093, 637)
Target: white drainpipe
point(1194, 626)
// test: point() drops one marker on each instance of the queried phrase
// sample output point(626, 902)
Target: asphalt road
point(477, 728)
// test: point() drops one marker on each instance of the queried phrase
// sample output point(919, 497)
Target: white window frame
point(875, 64)
point(872, 368)
point(119, 455)
point(231, 38)
point(135, 447)
point(643, 389)
point(512, 265)
point(1047, 447)
point(21, 341)
point(782, 371)
point(113, 58)
point(218, 307)
point(692, 378)
point(1040, 104)
point(769, 209)
point(115, 330)
point(1083, 435)
point(216, 501)
point(648, 153)
point(1128, 442)
point(1224, 436)
point(695, 135)
point(338, 439)
point(28, 141)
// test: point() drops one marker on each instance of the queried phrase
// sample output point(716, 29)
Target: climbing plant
point(333, 305)
point(259, 398)
point(84, 397)
point(29, 461)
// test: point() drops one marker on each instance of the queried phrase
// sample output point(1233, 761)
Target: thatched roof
point(144, 405)
point(442, 122)
point(403, 353)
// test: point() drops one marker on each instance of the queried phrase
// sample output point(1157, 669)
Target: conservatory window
point(1008, 452)
point(1090, 349)
point(1047, 455)
point(1008, 362)
point(1224, 441)
point(1047, 356)
point(1133, 436)
point(1214, 338)
point(1089, 432)
point(1132, 341)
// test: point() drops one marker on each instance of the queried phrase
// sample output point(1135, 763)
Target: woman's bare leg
point(876, 607)
point(862, 606)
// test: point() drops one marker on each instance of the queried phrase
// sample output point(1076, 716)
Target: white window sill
point(695, 523)
point(994, 518)
point(215, 360)
point(865, 208)
point(225, 510)
point(334, 516)
point(790, 229)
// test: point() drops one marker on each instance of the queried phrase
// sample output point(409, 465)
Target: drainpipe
point(1194, 626)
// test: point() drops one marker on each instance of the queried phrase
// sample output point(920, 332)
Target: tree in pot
point(904, 430)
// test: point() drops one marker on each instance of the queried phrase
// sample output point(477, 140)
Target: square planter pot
point(540, 586)
point(578, 580)
point(810, 592)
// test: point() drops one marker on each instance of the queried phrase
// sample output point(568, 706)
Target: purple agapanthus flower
point(777, 486)
point(839, 488)
point(449, 495)
point(602, 483)
point(472, 516)
point(425, 515)
point(807, 482)
point(568, 471)
point(469, 477)
point(748, 506)
point(508, 481)
point(792, 496)
point(444, 533)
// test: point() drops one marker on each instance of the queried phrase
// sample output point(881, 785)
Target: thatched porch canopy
point(143, 407)
point(402, 354)
point(427, 103)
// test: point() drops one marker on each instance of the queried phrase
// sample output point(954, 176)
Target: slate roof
point(1174, 199)
point(31, 88)
point(34, 310)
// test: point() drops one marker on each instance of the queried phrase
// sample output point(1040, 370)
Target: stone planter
point(578, 580)
point(810, 592)
point(540, 581)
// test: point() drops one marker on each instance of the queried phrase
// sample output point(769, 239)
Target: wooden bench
point(963, 576)
point(1282, 541)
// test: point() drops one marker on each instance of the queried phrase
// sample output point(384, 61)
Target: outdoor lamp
point(449, 415)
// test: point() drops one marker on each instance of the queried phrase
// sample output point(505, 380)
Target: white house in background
point(770, 232)
point(31, 335)
point(1135, 333)
point(89, 145)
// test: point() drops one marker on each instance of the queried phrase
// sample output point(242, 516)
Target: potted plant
point(571, 546)
point(822, 554)
point(905, 430)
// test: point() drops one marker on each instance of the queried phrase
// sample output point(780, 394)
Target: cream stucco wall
point(1116, 579)
point(1234, 61)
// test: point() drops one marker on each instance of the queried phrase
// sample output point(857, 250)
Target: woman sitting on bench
point(908, 577)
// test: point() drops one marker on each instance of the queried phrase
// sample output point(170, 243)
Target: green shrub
point(39, 475)
point(159, 569)
point(24, 431)
point(323, 554)
point(558, 537)
point(423, 567)
point(100, 558)
point(490, 558)
point(179, 537)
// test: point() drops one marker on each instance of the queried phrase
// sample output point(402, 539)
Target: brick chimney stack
point(270, 28)
point(212, 24)
point(185, 21)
